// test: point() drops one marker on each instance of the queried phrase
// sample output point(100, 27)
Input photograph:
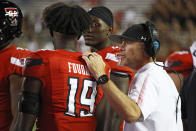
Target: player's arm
point(29, 105)
point(15, 82)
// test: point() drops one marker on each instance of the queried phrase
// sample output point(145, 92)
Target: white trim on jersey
point(111, 56)
point(18, 62)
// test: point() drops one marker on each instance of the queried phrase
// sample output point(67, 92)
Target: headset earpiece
point(156, 45)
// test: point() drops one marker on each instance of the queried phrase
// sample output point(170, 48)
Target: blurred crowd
point(175, 19)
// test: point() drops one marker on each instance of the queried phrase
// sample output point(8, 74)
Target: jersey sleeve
point(17, 60)
point(180, 61)
point(34, 66)
point(124, 71)
point(110, 55)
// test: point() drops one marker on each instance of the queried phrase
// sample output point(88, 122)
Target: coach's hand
point(95, 64)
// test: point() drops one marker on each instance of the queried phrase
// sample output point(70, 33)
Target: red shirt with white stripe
point(12, 62)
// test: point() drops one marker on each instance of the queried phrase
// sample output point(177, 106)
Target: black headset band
point(152, 46)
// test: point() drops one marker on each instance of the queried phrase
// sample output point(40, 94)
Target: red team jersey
point(69, 94)
point(10, 64)
point(111, 56)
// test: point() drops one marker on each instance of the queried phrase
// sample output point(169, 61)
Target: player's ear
point(110, 30)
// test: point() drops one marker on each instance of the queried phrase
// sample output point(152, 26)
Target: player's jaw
point(90, 39)
point(88, 36)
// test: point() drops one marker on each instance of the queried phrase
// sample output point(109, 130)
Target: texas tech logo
point(12, 14)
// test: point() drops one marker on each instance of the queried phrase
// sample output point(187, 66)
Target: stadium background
point(175, 19)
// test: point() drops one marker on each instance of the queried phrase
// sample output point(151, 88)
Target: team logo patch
point(12, 14)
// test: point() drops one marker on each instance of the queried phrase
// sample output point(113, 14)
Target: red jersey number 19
point(86, 97)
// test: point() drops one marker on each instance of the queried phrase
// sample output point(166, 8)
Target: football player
point(12, 61)
point(97, 38)
point(59, 90)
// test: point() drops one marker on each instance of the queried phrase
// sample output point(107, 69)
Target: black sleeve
point(183, 101)
point(186, 94)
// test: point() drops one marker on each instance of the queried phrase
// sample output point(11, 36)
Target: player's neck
point(66, 42)
point(69, 45)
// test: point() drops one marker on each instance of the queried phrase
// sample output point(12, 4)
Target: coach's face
point(132, 54)
point(98, 32)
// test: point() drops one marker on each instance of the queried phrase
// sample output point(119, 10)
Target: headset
point(10, 22)
point(152, 46)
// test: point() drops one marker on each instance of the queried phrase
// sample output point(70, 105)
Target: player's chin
point(90, 42)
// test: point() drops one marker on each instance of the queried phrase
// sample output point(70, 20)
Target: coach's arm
point(121, 103)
